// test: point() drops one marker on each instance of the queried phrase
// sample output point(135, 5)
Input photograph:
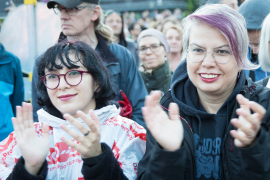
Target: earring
point(239, 74)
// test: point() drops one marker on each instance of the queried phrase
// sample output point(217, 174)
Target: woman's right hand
point(168, 133)
point(33, 148)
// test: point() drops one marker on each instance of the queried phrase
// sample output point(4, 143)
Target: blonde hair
point(102, 29)
point(177, 28)
point(264, 54)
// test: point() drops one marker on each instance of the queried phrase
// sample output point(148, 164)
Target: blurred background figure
point(254, 12)
point(11, 7)
point(264, 49)
point(168, 22)
point(232, 3)
point(177, 13)
point(134, 30)
point(155, 71)
point(115, 20)
point(11, 90)
point(174, 39)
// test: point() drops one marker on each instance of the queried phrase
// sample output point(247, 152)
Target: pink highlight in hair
point(225, 26)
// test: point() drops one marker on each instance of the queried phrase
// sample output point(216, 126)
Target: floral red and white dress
point(125, 137)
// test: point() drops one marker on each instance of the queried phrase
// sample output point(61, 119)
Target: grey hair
point(264, 54)
point(105, 31)
point(229, 22)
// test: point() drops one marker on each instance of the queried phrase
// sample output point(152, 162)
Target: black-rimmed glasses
point(73, 78)
point(152, 47)
point(69, 11)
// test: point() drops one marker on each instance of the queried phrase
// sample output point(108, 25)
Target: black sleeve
point(19, 172)
point(158, 164)
point(102, 167)
point(256, 159)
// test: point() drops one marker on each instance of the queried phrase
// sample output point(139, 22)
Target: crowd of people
point(161, 96)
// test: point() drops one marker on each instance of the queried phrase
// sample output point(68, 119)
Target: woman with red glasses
point(80, 134)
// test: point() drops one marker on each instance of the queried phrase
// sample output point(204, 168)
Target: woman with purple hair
point(218, 123)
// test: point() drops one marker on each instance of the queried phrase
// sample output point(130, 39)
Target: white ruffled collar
point(103, 114)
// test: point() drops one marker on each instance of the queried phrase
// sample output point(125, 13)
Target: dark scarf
point(159, 79)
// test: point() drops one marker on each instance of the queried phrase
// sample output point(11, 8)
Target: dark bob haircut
point(88, 57)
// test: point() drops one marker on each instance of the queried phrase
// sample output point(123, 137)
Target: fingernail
point(62, 126)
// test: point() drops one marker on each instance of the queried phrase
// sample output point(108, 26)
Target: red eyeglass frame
point(58, 76)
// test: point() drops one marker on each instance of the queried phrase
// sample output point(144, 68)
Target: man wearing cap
point(254, 12)
point(81, 20)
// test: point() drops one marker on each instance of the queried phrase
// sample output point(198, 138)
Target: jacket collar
point(102, 47)
point(3, 59)
point(159, 76)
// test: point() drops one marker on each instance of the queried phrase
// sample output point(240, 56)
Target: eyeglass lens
point(153, 48)
point(197, 54)
point(69, 11)
point(73, 78)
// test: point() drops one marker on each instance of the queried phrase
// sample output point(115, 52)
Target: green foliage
point(192, 5)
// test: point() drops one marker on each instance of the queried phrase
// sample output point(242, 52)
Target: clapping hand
point(33, 148)
point(167, 132)
point(89, 143)
point(248, 125)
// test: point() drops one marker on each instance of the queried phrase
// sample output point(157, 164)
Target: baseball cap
point(70, 3)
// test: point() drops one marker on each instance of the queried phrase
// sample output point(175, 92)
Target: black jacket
point(237, 163)
point(102, 167)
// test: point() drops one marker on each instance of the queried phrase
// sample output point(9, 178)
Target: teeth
point(209, 76)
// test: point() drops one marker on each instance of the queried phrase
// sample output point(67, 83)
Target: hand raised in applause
point(168, 133)
point(89, 143)
point(247, 124)
point(34, 149)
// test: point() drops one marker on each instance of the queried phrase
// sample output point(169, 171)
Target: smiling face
point(209, 76)
point(150, 59)
point(79, 24)
point(69, 99)
point(114, 20)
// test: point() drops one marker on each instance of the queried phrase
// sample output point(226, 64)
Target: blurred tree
point(192, 5)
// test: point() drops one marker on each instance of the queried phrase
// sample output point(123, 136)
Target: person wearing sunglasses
point(219, 119)
point(114, 19)
point(80, 134)
point(81, 20)
point(155, 70)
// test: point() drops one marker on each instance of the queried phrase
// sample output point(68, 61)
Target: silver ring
point(250, 136)
point(87, 133)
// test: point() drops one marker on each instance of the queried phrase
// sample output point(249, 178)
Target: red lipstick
point(209, 80)
point(66, 97)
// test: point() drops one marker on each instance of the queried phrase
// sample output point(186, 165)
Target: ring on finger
point(87, 133)
point(250, 136)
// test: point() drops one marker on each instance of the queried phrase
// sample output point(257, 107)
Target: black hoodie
point(208, 150)
point(208, 129)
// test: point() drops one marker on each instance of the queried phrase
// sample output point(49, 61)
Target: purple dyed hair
point(229, 22)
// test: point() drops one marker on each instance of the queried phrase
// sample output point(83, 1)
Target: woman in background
point(174, 38)
point(153, 49)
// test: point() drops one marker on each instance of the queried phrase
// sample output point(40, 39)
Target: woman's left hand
point(89, 143)
point(247, 124)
